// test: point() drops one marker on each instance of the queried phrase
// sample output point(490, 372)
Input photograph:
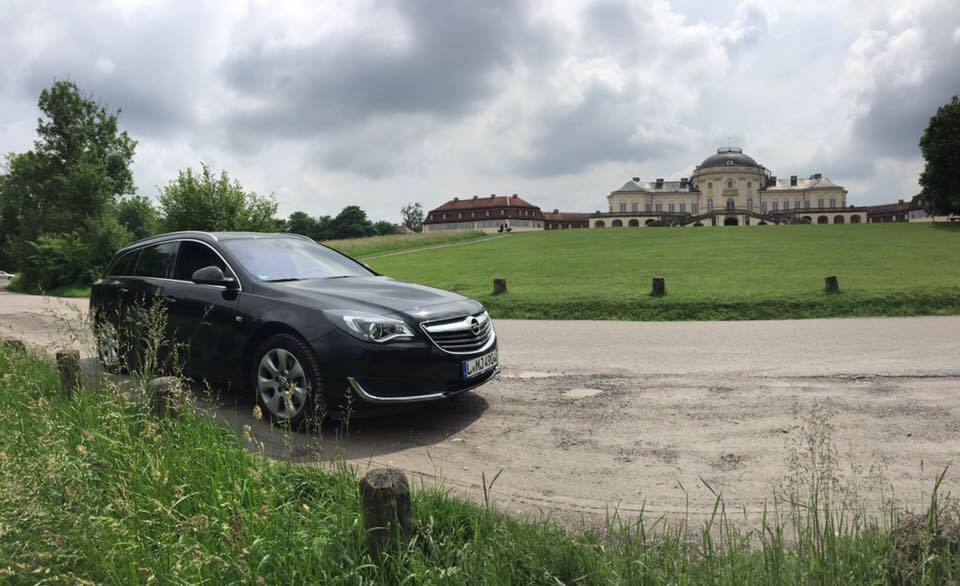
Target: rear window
point(156, 260)
point(125, 265)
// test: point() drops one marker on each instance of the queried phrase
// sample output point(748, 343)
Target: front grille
point(457, 336)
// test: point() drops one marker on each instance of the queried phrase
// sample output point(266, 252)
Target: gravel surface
point(592, 416)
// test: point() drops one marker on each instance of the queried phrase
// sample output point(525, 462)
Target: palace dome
point(729, 156)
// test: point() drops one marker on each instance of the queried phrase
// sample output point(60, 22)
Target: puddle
point(582, 393)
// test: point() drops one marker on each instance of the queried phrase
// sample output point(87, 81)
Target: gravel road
point(592, 416)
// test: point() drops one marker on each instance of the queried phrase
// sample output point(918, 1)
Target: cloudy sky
point(383, 102)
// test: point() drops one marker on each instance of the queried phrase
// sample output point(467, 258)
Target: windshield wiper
point(282, 280)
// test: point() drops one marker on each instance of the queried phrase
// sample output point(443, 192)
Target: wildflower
point(248, 433)
point(257, 413)
point(306, 507)
point(81, 450)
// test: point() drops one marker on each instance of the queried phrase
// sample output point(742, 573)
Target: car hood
point(375, 294)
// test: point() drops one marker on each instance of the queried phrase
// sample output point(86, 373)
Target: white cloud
point(380, 102)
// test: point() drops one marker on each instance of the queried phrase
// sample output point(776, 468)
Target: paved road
point(591, 415)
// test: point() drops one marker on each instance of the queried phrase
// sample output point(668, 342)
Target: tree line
point(69, 203)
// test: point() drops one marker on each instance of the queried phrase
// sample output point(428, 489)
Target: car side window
point(194, 256)
point(125, 264)
point(156, 260)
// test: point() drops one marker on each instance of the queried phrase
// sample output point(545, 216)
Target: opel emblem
point(475, 326)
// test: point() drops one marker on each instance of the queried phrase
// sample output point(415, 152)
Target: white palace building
point(728, 189)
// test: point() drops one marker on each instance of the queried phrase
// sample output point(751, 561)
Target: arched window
point(730, 203)
point(634, 223)
point(855, 219)
point(600, 224)
point(710, 205)
point(750, 204)
point(617, 224)
point(823, 220)
point(838, 219)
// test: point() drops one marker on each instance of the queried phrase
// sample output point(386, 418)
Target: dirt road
point(594, 415)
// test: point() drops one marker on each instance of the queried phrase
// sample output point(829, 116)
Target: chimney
point(556, 211)
point(492, 196)
point(793, 181)
point(900, 202)
point(456, 199)
point(476, 196)
point(818, 176)
point(659, 182)
point(636, 179)
point(683, 182)
point(773, 180)
point(514, 196)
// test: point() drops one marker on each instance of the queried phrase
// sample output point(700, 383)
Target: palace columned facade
point(728, 189)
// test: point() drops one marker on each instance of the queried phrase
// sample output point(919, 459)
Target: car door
point(142, 312)
point(202, 317)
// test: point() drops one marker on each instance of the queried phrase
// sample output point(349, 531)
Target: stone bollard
point(165, 394)
point(387, 512)
point(13, 344)
point(659, 287)
point(499, 286)
point(831, 285)
point(68, 365)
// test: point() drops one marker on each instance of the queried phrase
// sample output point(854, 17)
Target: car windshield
point(292, 259)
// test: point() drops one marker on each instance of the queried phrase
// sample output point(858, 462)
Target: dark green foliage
point(384, 228)
point(413, 216)
point(205, 201)
point(79, 166)
point(138, 215)
point(940, 146)
point(352, 222)
point(306, 225)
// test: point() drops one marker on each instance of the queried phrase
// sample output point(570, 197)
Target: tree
point(203, 201)
point(352, 222)
point(413, 216)
point(940, 146)
point(78, 167)
point(384, 228)
point(138, 215)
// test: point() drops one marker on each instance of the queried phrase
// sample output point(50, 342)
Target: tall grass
point(93, 489)
point(377, 245)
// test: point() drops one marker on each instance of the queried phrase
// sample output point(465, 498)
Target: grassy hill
point(711, 273)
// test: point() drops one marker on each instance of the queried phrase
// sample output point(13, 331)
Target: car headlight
point(371, 327)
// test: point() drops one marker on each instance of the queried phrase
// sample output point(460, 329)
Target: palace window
point(695, 208)
point(683, 208)
point(763, 206)
point(820, 203)
point(634, 207)
point(776, 205)
point(670, 207)
point(833, 203)
point(648, 207)
point(659, 207)
point(623, 206)
point(710, 205)
point(730, 203)
point(750, 204)
point(806, 204)
point(796, 204)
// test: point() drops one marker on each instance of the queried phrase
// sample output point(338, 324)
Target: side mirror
point(213, 275)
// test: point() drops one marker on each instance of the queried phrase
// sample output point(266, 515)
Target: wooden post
point(386, 508)
point(659, 287)
point(68, 365)
point(13, 344)
point(499, 286)
point(166, 396)
point(831, 285)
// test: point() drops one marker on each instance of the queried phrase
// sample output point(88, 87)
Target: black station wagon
point(309, 329)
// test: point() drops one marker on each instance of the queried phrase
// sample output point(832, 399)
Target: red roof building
point(496, 213)
point(557, 220)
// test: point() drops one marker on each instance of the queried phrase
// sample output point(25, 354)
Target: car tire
point(285, 376)
point(109, 352)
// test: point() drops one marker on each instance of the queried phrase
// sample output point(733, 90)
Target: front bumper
point(403, 398)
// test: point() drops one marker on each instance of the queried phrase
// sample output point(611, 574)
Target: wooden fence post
point(68, 365)
point(831, 285)
point(659, 287)
point(165, 394)
point(386, 508)
point(499, 286)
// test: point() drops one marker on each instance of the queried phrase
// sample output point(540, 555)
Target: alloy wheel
point(282, 383)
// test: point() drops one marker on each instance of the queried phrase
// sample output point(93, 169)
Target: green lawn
point(711, 273)
point(361, 248)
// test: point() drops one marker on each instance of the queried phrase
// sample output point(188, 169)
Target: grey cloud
point(603, 127)
point(448, 66)
point(745, 31)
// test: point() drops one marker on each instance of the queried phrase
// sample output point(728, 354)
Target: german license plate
point(479, 365)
